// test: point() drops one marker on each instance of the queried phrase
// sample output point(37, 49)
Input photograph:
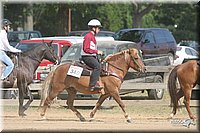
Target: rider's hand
point(100, 52)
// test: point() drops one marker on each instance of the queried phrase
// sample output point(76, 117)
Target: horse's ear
point(50, 43)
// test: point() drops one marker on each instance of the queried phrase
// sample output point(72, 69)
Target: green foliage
point(52, 19)
point(115, 16)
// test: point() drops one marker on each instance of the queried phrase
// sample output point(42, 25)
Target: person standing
point(4, 47)
point(89, 53)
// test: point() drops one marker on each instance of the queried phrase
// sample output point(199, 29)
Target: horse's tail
point(46, 87)
point(172, 86)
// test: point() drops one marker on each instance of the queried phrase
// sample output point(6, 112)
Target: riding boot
point(5, 82)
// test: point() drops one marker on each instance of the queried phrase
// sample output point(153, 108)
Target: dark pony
point(23, 73)
point(188, 76)
point(118, 65)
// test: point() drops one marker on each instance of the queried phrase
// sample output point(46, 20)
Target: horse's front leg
point(21, 101)
point(98, 104)
point(117, 98)
point(30, 99)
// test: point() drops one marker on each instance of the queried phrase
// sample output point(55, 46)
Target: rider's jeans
point(9, 64)
point(92, 62)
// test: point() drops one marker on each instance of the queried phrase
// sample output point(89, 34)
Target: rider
point(89, 53)
point(5, 46)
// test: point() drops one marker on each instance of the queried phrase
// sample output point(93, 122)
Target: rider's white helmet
point(94, 23)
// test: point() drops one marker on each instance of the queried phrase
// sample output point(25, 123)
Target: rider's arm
point(7, 46)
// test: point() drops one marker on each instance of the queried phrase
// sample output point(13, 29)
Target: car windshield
point(17, 36)
point(133, 35)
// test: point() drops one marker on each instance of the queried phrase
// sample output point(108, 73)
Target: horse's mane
point(115, 56)
point(32, 49)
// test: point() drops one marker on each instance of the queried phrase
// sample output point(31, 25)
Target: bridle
point(114, 74)
point(51, 52)
point(134, 59)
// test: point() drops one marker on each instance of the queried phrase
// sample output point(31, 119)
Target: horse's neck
point(33, 59)
point(118, 66)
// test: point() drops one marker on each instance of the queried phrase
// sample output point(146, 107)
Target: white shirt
point(4, 44)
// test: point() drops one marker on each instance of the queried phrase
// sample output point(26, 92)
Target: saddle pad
point(75, 71)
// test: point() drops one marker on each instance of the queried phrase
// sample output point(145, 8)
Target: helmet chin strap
point(94, 30)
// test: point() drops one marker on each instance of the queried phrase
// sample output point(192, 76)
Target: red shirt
point(90, 44)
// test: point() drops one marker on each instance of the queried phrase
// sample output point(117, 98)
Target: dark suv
point(153, 42)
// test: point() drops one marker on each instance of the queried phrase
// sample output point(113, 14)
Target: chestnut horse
point(188, 76)
point(118, 65)
point(24, 71)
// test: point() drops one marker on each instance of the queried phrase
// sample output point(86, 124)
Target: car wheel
point(156, 94)
point(171, 58)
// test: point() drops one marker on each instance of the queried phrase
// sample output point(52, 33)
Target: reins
point(116, 75)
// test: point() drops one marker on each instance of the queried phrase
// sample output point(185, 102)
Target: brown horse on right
point(188, 76)
point(118, 65)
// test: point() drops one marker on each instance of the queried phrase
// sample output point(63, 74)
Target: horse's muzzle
point(143, 70)
point(57, 62)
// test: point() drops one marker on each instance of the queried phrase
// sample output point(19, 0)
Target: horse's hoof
point(171, 115)
point(91, 119)
point(22, 115)
point(82, 119)
point(43, 118)
point(129, 120)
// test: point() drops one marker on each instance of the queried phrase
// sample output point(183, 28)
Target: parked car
point(60, 47)
point(193, 44)
point(154, 42)
point(110, 47)
point(16, 36)
point(72, 39)
point(183, 53)
point(84, 32)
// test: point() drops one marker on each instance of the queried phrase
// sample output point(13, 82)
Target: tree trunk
point(62, 19)
point(138, 12)
point(28, 24)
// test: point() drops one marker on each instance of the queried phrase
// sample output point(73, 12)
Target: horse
point(188, 76)
point(23, 73)
point(117, 67)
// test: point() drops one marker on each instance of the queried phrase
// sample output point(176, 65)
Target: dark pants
point(92, 62)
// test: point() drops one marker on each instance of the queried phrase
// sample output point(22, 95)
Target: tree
point(139, 11)
point(115, 16)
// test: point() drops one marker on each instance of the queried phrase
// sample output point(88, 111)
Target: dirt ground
point(147, 115)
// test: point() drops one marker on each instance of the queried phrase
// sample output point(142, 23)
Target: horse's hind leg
point(187, 103)
point(98, 104)
point(70, 101)
point(48, 100)
point(117, 98)
point(179, 94)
